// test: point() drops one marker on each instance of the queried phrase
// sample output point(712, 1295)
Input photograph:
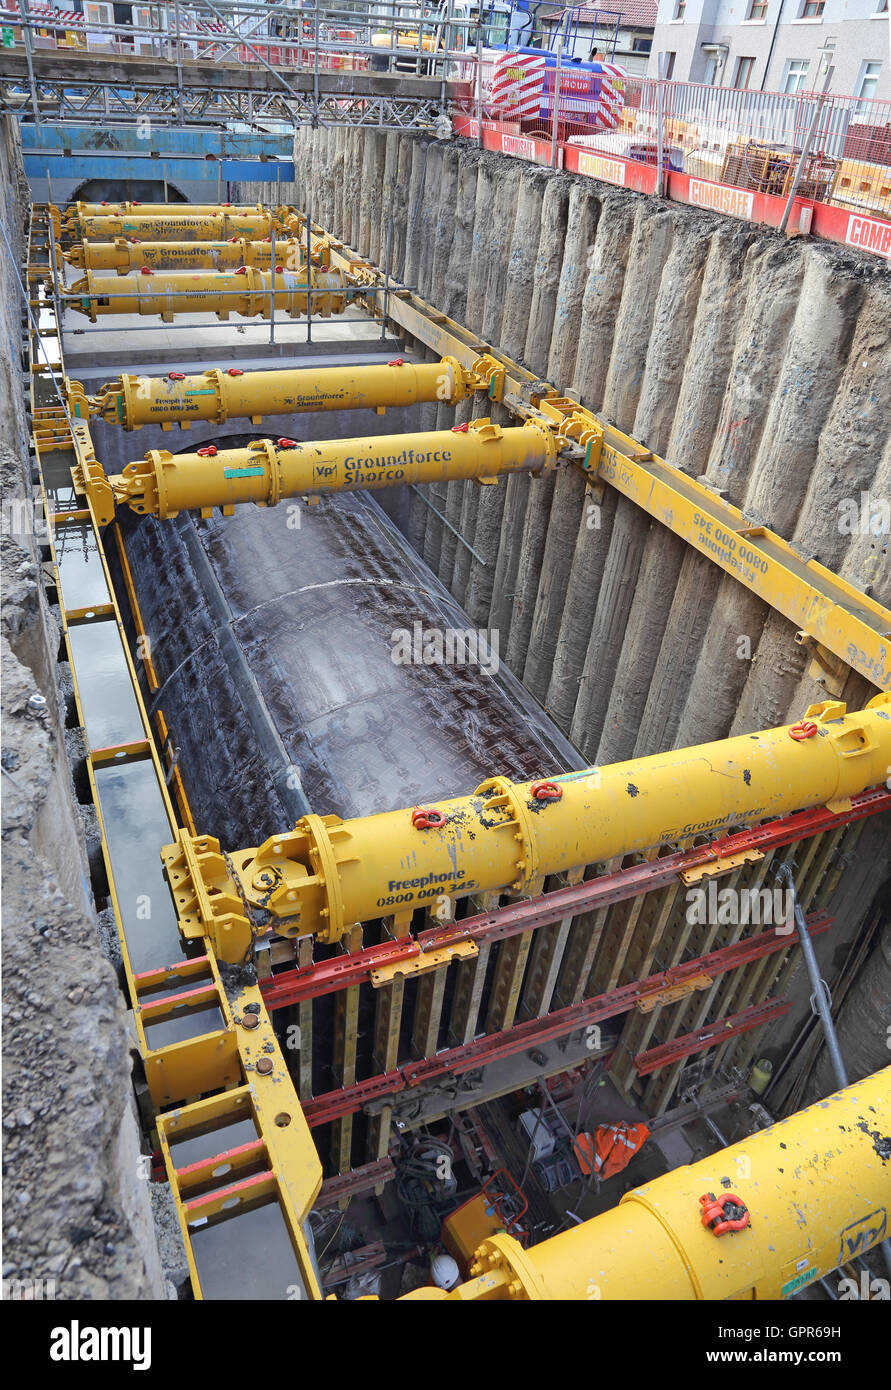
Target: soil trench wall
point(756, 363)
point(76, 1205)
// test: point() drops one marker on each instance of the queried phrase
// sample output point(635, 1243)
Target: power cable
point(334, 1232)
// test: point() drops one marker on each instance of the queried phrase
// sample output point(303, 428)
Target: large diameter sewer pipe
point(814, 1191)
point(220, 395)
point(325, 875)
point(164, 484)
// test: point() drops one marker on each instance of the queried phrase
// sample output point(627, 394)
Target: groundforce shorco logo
point(79, 1343)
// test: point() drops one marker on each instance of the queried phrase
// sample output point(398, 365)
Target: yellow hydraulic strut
point(219, 395)
point(244, 292)
point(75, 211)
point(124, 255)
point(164, 484)
point(805, 1195)
point(326, 874)
point(213, 225)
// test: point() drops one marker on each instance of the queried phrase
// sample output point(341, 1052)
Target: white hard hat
point(445, 1272)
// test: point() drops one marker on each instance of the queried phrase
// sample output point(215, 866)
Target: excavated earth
point(77, 1211)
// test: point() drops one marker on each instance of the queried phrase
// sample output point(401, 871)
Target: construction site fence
point(733, 151)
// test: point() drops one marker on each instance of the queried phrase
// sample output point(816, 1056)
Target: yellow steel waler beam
point(164, 484)
point(829, 609)
point(327, 874)
point(813, 1191)
point(220, 395)
point(841, 618)
point(239, 1048)
point(125, 255)
point(244, 291)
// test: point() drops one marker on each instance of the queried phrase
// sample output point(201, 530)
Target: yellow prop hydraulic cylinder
point(813, 1191)
point(221, 395)
point(126, 256)
point(245, 292)
point(78, 210)
point(164, 484)
point(326, 874)
point(196, 226)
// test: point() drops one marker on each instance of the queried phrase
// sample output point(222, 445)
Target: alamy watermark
point(79, 1342)
point(866, 1289)
point(451, 646)
point(741, 907)
point(865, 515)
point(21, 517)
point(28, 1290)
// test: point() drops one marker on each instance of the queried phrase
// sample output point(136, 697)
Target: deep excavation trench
point(745, 360)
point(756, 364)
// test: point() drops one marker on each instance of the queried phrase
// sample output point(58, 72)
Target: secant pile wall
point(759, 364)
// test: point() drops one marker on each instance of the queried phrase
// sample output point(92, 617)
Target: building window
point(679, 7)
point(881, 7)
point(796, 75)
point(639, 44)
point(757, 9)
point(869, 80)
point(812, 9)
point(669, 65)
point(743, 75)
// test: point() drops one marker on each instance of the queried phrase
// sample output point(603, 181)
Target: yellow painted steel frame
point(817, 1187)
point(95, 757)
point(828, 610)
point(243, 1051)
point(173, 775)
point(220, 1058)
point(327, 874)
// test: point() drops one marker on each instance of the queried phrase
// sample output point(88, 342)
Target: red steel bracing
point(291, 985)
point(452, 1061)
point(709, 1035)
point(328, 976)
point(355, 1182)
point(335, 1104)
point(644, 878)
point(256, 1146)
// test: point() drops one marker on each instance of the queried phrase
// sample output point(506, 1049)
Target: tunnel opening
point(132, 190)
